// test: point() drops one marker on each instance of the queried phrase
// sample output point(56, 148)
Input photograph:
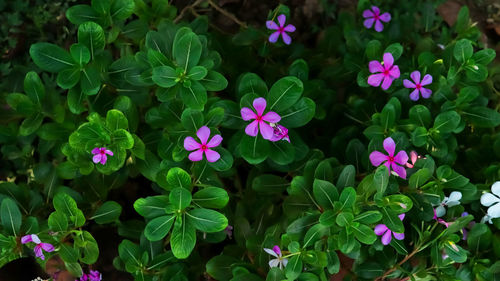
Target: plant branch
point(227, 14)
point(187, 8)
point(407, 257)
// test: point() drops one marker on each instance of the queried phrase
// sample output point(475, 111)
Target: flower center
point(419, 86)
point(391, 158)
point(376, 17)
point(281, 29)
point(103, 151)
point(386, 72)
point(204, 147)
point(259, 118)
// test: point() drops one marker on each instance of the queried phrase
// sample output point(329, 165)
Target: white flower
point(279, 260)
point(451, 201)
point(492, 201)
point(487, 218)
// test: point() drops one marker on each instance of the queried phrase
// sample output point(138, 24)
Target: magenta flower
point(93, 275)
point(279, 261)
point(413, 159)
point(385, 72)
point(390, 160)
point(229, 231)
point(203, 134)
point(39, 245)
point(281, 29)
point(280, 133)
point(386, 233)
point(100, 155)
point(374, 16)
point(252, 129)
point(418, 85)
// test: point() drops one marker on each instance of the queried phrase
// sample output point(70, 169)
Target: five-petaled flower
point(279, 261)
point(391, 161)
point(374, 16)
point(100, 155)
point(386, 233)
point(39, 245)
point(451, 201)
point(203, 134)
point(383, 73)
point(252, 129)
point(280, 133)
point(93, 275)
point(418, 85)
point(492, 200)
point(281, 29)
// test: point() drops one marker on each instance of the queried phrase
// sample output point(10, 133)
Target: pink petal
point(271, 117)
point(282, 20)
point(368, 23)
point(375, 79)
point(385, 17)
point(401, 216)
point(394, 72)
point(388, 60)
point(26, 239)
point(38, 252)
point(274, 37)
point(389, 146)
point(247, 114)
point(426, 93)
point(379, 26)
point(252, 129)
point(104, 158)
point(196, 155)
point(289, 28)
point(400, 171)
point(215, 141)
point(96, 150)
point(427, 80)
point(277, 250)
point(415, 75)
point(203, 134)
point(265, 130)
point(380, 229)
point(271, 25)
point(260, 105)
point(377, 157)
point(375, 66)
point(399, 236)
point(286, 38)
point(388, 165)
point(413, 156)
point(414, 95)
point(35, 239)
point(408, 84)
point(109, 152)
point(212, 155)
point(47, 247)
point(97, 158)
point(376, 10)
point(401, 157)
point(386, 239)
point(387, 82)
point(191, 144)
point(368, 14)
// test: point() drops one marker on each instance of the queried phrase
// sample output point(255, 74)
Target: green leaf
point(419, 178)
point(462, 23)
point(66, 204)
point(328, 218)
point(395, 49)
point(364, 234)
point(50, 57)
point(197, 73)
point(346, 177)
point(284, 93)
point(388, 116)
point(347, 198)
point(269, 184)
point(381, 180)
point(194, 96)
point(325, 193)
point(476, 73)
point(88, 247)
point(187, 50)
point(211, 197)
point(75, 100)
point(177, 177)
point(368, 217)
point(275, 274)
point(115, 120)
point(68, 253)
point(92, 36)
point(192, 119)
point(254, 149)
point(183, 239)
point(217, 267)
point(31, 124)
point(180, 198)
point(225, 161)
point(68, 78)
point(482, 117)
point(151, 206)
point(463, 50)
point(90, 80)
point(344, 219)
point(299, 114)
point(33, 87)
point(455, 252)
point(446, 122)
point(21, 103)
point(123, 139)
point(164, 76)
point(251, 83)
point(159, 227)
point(479, 238)
point(214, 81)
point(121, 9)
point(74, 268)
point(108, 212)
point(419, 136)
point(207, 220)
point(282, 152)
point(80, 53)
point(392, 221)
point(58, 222)
point(293, 268)
point(11, 216)
point(79, 14)
point(484, 56)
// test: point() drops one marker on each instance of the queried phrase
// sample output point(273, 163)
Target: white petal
point(453, 203)
point(440, 211)
point(271, 252)
point(494, 211)
point(35, 239)
point(285, 262)
point(455, 196)
point(274, 263)
point(489, 199)
point(495, 188)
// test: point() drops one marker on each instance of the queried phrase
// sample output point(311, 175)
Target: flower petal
point(289, 28)
point(401, 157)
point(368, 14)
point(376, 10)
point(386, 239)
point(408, 84)
point(489, 199)
point(455, 196)
point(215, 141)
point(274, 37)
point(104, 158)
point(377, 157)
point(427, 80)
point(394, 72)
point(196, 155)
point(260, 105)
point(389, 146)
point(494, 211)
point(378, 26)
point(400, 171)
point(96, 150)
point(271, 252)
point(385, 17)
point(271, 25)
point(271, 117)
point(38, 252)
point(399, 236)
point(277, 250)
point(47, 247)
point(440, 211)
point(375, 66)
point(35, 239)
point(108, 152)
point(266, 131)
point(212, 155)
point(97, 158)
point(368, 23)
point(26, 239)
point(380, 229)
point(375, 79)
point(415, 95)
point(203, 134)
point(426, 93)
point(285, 262)
point(387, 82)
point(415, 75)
point(191, 144)
point(401, 216)
point(274, 263)
point(286, 38)
point(282, 20)
point(252, 129)
point(388, 60)
point(495, 188)
point(247, 114)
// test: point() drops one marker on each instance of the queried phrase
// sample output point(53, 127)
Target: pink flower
point(252, 129)
point(386, 72)
point(39, 245)
point(418, 85)
point(413, 159)
point(203, 134)
point(386, 233)
point(279, 261)
point(281, 29)
point(100, 155)
point(374, 16)
point(280, 133)
point(391, 161)
point(93, 275)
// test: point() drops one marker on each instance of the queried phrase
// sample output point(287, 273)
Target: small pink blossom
point(252, 129)
point(280, 133)
point(418, 85)
point(391, 161)
point(229, 231)
point(279, 261)
point(100, 155)
point(203, 134)
point(281, 30)
point(39, 245)
point(386, 233)
point(383, 73)
point(374, 16)
point(413, 159)
point(93, 275)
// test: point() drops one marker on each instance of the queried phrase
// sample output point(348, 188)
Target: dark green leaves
point(187, 50)
point(158, 228)
point(211, 197)
point(207, 220)
point(50, 57)
point(107, 213)
point(463, 50)
point(325, 193)
point(91, 35)
point(164, 76)
point(180, 198)
point(183, 239)
point(11, 216)
point(284, 93)
point(447, 122)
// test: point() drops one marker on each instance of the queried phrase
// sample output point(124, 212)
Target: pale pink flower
point(39, 245)
point(100, 155)
point(390, 161)
point(383, 73)
point(280, 30)
point(252, 129)
point(374, 16)
point(203, 134)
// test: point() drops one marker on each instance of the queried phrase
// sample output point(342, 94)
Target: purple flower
point(280, 133)
point(377, 158)
point(229, 231)
point(39, 245)
point(281, 29)
point(93, 275)
point(386, 233)
point(418, 85)
point(374, 16)
point(252, 129)
point(203, 134)
point(100, 155)
point(279, 261)
point(386, 72)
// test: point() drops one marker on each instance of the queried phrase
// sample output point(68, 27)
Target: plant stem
point(227, 14)
point(407, 257)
